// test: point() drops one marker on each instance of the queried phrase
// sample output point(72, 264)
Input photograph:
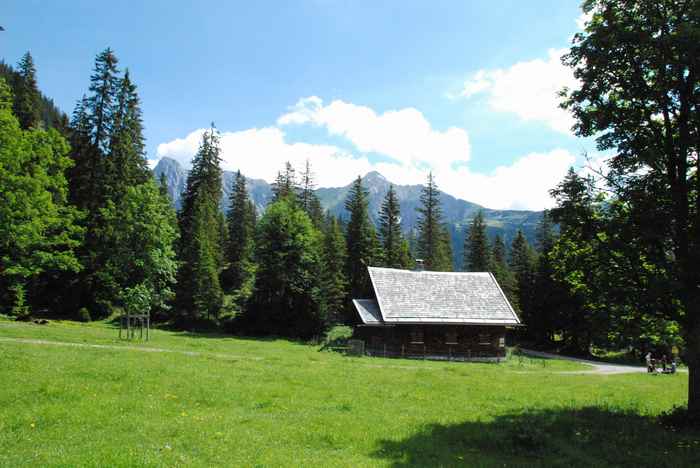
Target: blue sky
point(461, 87)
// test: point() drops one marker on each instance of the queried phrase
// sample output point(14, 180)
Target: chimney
point(419, 265)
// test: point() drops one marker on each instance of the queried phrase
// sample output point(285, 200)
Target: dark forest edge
point(87, 233)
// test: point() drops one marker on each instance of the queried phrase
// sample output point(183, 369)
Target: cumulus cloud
point(261, 152)
point(405, 136)
point(527, 89)
point(523, 185)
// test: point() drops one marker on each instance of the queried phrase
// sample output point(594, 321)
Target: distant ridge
point(457, 213)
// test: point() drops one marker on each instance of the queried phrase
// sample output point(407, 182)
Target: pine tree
point(27, 101)
point(434, 246)
point(361, 243)
point(241, 229)
point(393, 248)
point(308, 199)
point(549, 295)
point(127, 154)
point(522, 264)
point(333, 281)
point(103, 86)
point(444, 260)
point(501, 271)
point(198, 293)
point(285, 186)
point(477, 255)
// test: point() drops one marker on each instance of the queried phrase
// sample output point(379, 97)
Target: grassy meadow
point(203, 400)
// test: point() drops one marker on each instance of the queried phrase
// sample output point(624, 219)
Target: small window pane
point(451, 337)
point(417, 336)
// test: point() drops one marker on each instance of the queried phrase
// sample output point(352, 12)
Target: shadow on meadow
point(566, 438)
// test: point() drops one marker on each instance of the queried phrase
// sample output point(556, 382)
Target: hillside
point(458, 213)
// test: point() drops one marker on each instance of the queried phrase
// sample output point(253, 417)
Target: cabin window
point(417, 336)
point(484, 339)
point(451, 337)
point(502, 342)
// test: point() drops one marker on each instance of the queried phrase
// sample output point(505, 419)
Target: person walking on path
point(650, 364)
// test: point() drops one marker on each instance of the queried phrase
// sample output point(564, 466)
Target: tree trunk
point(693, 358)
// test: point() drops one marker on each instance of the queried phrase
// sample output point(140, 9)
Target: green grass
point(218, 400)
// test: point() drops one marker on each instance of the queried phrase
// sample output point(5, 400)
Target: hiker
point(650, 363)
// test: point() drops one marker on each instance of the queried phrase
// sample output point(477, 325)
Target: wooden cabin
point(435, 315)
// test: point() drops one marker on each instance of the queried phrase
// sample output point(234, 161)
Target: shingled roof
point(431, 297)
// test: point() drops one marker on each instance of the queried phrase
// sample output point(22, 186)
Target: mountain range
point(456, 213)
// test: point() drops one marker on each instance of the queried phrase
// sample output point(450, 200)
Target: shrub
point(337, 336)
point(84, 315)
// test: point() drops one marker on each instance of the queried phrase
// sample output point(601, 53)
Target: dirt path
point(127, 348)
point(599, 368)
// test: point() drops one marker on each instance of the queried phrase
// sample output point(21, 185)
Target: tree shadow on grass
point(586, 437)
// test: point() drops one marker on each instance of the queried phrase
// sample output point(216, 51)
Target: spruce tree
point(393, 244)
point(444, 260)
point(434, 246)
point(241, 230)
point(333, 280)
point(308, 199)
point(103, 86)
point(27, 100)
point(127, 154)
point(501, 271)
point(361, 243)
point(549, 295)
point(477, 255)
point(285, 185)
point(198, 293)
point(522, 264)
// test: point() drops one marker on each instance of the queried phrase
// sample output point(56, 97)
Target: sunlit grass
point(239, 402)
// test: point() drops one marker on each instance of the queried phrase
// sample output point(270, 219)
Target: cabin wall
point(446, 341)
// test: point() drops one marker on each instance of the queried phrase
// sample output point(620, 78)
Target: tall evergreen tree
point(522, 263)
point(103, 89)
point(434, 246)
point(549, 295)
point(501, 271)
point(334, 284)
point(241, 231)
point(198, 294)
point(477, 254)
point(27, 102)
point(127, 154)
point(285, 185)
point(393, 243)
point(361, 243)
point(307, 197)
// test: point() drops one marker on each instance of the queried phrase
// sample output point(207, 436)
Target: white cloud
point(261, 152)
point(527, 89)
point(524, 185)
point(404, 135)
